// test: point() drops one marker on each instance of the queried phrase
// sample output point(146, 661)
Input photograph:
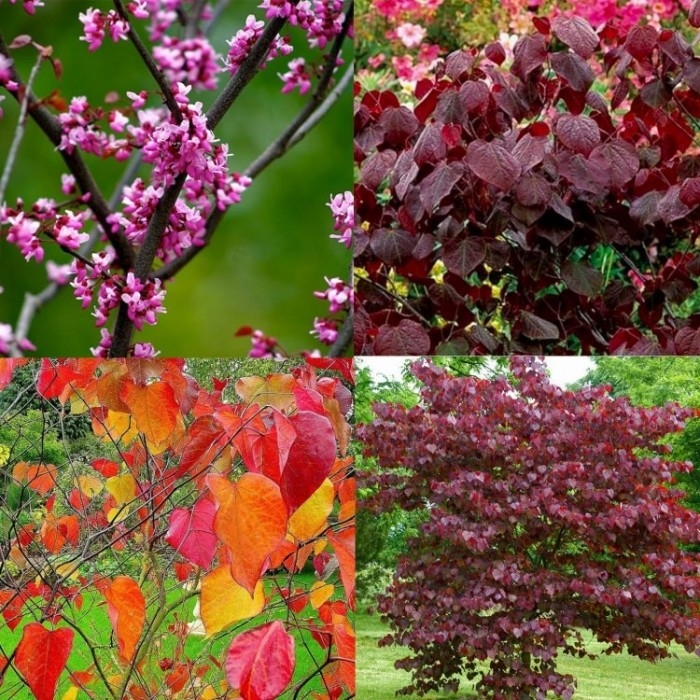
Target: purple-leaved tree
point(548, 512)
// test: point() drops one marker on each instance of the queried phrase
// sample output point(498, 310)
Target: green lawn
point(617, 677)
point(94, 622)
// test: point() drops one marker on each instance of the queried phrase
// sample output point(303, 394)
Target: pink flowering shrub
point(168, 209)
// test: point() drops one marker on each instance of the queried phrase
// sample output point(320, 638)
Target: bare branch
point(19, 131)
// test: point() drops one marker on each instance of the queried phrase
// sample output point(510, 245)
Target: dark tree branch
point(345, 334)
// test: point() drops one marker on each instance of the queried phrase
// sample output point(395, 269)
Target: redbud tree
point(547, 512)
point(150, 157)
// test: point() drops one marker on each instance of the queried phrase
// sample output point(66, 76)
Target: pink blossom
point(5, 69)
point(263, 346)
point(296, 77)
point(243, 41)
point(192, 61)
point(343, 210)
point(67, 228)
point(411, 35)
point(145, 350)
point(68, 184)
point(102, 350)
point(338, 294)
point(325, 330)
point(58, 274)
point(139, 9)
point(22, 233)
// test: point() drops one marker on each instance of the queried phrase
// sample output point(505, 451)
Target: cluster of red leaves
point(273, 488)
point(516, 181)
point(547, 511)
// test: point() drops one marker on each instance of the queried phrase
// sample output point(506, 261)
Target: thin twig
point(193, 19)
point(19, 131)
point(288, 139)
point(152, 66)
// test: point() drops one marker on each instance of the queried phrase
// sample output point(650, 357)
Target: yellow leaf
point(320, 545)
point(274, 390)
point(209, 693)
point(312, 516)
point(123, 488)
point(117, 427)
point(69, 570)
point(320, 593)
point(223, 601)
point(89, 485)
point(70, 694)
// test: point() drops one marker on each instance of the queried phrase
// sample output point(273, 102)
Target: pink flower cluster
point(96, 23)
point(192, 61)
point(80, 129)
point(343, 210)
point(244, 39)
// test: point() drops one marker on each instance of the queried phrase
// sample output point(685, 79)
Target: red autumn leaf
point(106, 467)
point(203, 441)
point(11, 604)
point(260, 662)
point(191, 532)
point(310, 460)
point(7, 368)
point(126, 608)
point(41, 657)
point(251, 520)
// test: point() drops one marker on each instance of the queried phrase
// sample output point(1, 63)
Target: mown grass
point(616, 677)
point(93, 621)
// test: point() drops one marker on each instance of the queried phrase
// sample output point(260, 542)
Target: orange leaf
point(320, 593)
point(274, 390)
point(223, 601)
point(39, 477)
point(343, 543)
point(155, 411)
point(251, 520)
point(41, 657)
point(7, 368)
point(51, 535)
point(126, 607)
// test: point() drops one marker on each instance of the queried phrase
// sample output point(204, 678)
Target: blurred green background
point(271, 251)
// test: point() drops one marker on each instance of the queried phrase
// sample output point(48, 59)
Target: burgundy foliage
point(550, 511)
point(521, 180)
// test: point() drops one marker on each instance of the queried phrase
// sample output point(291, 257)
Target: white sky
point(563, 370)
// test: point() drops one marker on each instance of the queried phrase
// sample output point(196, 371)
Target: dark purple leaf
point(399, 123)
point(619, 158)
point(430, 147)
point(392, 246)
point(464, 256)
point(581, 278)
point(576, 33)
point(475, 95)
point(530, 150)
point(436, 186)
point(537, 328)
point(577, 132)
point(574, 69)
point(641, 41)
point(408, 338)
point(533, 190)
point(530, 53)
point(376, 168)
point(492, 163)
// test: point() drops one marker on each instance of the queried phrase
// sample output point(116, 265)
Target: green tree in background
point(270, 252)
